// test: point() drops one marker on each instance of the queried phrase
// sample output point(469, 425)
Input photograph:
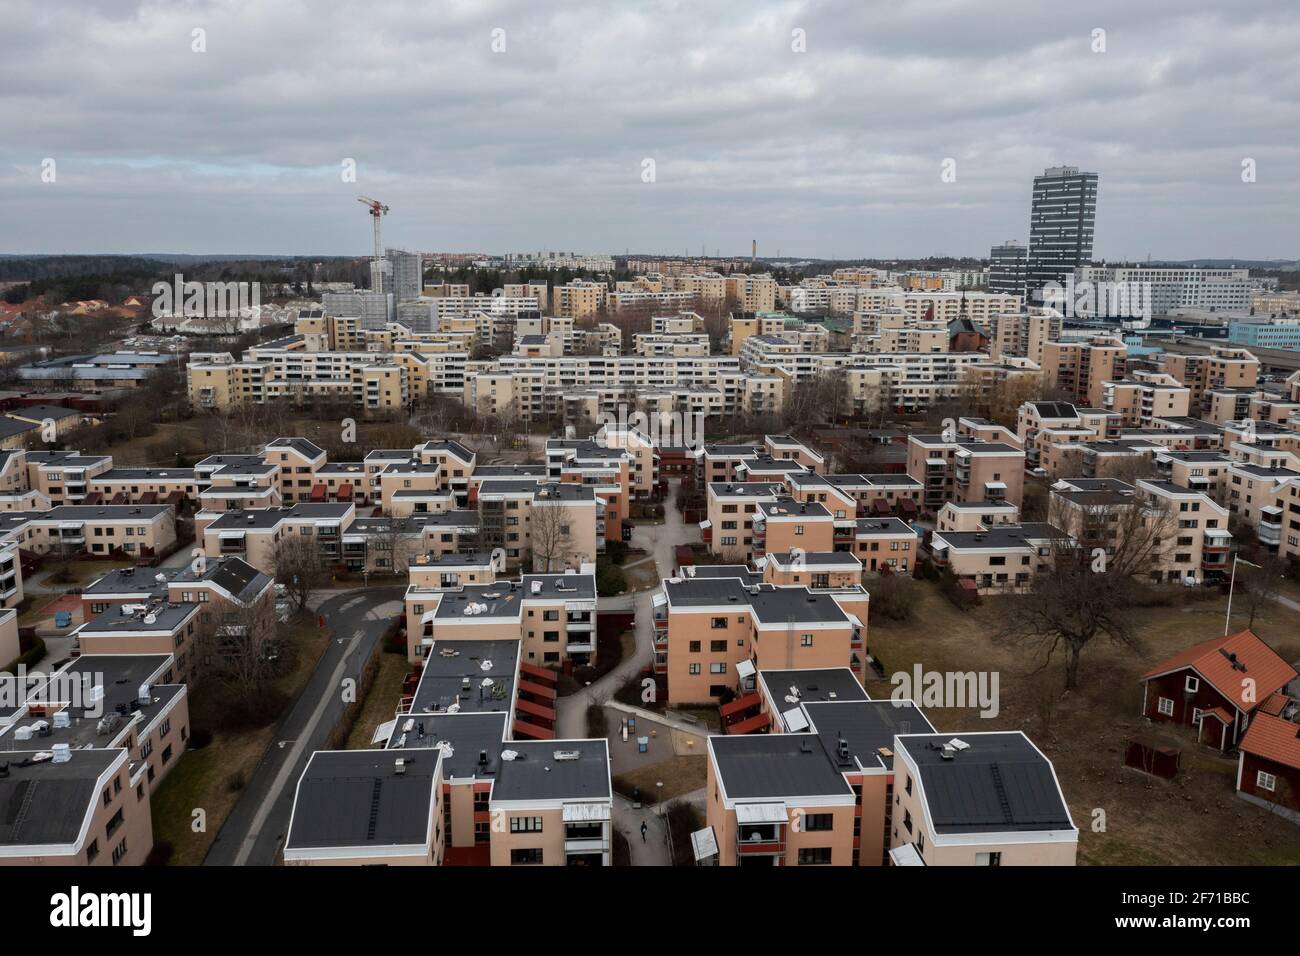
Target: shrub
point(597, 724)
point(162, 852)
point(611, 581)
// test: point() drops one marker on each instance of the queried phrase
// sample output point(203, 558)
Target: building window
point(817, 822)
point(1265, 781)
point(718, 623)
point(530, 857)
point(806, 640)
point(1165, 707)
point(525, 824)
point(815, 856)
point(988, 859)
point(1191, 685)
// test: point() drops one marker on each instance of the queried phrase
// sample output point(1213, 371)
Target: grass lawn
point(211, 778)
point(381, 700)
point(1193, 820)
point(642, 575)
point(679, 774)
point(80, 573)
point(35, 612)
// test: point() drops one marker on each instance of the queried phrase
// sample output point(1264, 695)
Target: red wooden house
point(1214, 687)
point(1268, 766)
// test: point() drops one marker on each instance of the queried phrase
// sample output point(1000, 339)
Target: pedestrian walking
point(644, 828)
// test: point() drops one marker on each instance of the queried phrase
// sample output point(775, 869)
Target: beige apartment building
point(105, 746)
point(717, 627)
point(952, 468)
point(1080, 370)
point(1223, 367)
point(1013, 812)
point(1024, 334)
point(1144, 397)
point(1194, 540)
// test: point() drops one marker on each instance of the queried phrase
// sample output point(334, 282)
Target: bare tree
point(1086, 588)
point(1259, 586)
point(550, 531)
point(240, 648)
point(298, 566)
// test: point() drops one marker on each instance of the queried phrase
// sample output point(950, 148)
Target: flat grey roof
point(866, 726)
point(467, 735)
point(553, 770)
point(356, 798)
point(476, 676)
point(812, 684)
point(55, 796)
point(1000, 782)
point(775, 766)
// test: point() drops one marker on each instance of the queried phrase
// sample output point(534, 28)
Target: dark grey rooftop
point(473, 676)
point(553, 770)
point(150, 616)
point(233, 575)
point(56, 796)
point(1000, 782)
point(775, 767)
point(866, 726)
point(308, 449)
point(357, 798)
point(811, 684)
point(465, 735)
point(133, 581)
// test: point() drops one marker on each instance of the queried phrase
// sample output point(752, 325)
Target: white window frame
point(1160, 707)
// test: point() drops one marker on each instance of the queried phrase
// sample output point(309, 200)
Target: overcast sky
point(836, 151)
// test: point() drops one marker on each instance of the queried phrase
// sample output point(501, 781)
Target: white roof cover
point(745, 668)
point(761, 813)
point(795, 721)
point(585, 812)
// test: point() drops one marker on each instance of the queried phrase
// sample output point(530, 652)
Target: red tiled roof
point(1262, 665)
point(1272, 738)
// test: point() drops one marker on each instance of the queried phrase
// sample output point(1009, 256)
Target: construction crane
point(377, 211)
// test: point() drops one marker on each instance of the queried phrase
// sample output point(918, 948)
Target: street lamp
point(1232, 581)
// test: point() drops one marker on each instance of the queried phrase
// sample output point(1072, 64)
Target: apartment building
point(1002, 558)
point(825, 785)
point(952, 468)
point(752, 293)
point(544, 525)
point(1223, 367)
point(474, 792)
point(102, 732)
point(1024, 334)
point(552, 616)
point(1191, 541)
point(578, 299)
point(1011, 813)
point(141, 531)
point(717, 627)
point(254, 534)
point(1144, 397)
point(1080, 370)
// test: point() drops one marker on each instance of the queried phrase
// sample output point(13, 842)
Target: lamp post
point(1231, 582)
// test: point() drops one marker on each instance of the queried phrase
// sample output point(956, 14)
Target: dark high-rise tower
point(1007, 268)
point(1061, 222)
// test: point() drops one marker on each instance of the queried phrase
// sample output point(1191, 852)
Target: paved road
point(253, 832)
point(659, 540)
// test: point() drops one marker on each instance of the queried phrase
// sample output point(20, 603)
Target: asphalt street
point(255, 829)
